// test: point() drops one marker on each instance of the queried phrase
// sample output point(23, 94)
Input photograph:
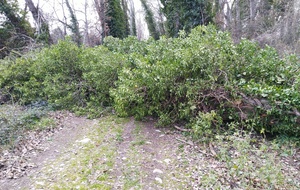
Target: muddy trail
point(121, 153)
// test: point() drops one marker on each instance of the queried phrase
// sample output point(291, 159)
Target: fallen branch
point(183, 141)
point(265, 104)
point(181, 129)
point(3, 48)
point(212, 150)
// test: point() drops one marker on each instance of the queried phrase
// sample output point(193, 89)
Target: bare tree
point(161, 19)
point(132, 18)
point(140, 29)
point(100, 6)
point(64, 20)
point(238, 22)
point(86, 39)
point(41, 23)
point(57, 34)
point(74, 24)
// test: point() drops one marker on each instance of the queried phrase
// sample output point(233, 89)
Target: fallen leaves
point(15, 162)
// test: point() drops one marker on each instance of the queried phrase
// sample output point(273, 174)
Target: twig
point(207, 154)
point(183, 141)
point(212, 150)
point(3, 48)
point(181, 129)
point(296, 112)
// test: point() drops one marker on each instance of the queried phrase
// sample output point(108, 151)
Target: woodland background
point(28, 24)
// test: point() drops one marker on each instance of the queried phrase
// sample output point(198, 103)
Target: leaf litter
point(144, 157)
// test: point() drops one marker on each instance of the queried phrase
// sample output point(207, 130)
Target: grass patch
point(92, 163)
point(138, 143)
point(139, 139)
point(244, 161)
point(131, 165)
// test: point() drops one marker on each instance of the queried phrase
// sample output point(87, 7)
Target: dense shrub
point(202, 80)
point(65, 75)
point(48, 75)
point(100, 71)
point(14, 75)
point(210, 83)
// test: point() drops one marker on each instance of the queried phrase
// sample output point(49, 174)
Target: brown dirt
point(144, 157)
point(152, 153)
point(52, 144)
point(123, 147)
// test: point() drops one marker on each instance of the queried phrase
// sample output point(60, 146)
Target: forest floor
point(122, 153)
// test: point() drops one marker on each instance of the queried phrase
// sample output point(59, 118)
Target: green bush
point(65, 75)
point(100, 71)
point(202, 80)
point(14, 76)
point(58, 71)
point(51, 74)
point(188, 78)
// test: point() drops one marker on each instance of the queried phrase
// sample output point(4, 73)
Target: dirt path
point(147, 158)
point(118, 153)
point(111, 153)
point(71, 127)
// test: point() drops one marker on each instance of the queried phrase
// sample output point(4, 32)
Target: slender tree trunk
point(74, 25)
point(149, 17)
point(101, 9)
point(252, 24)
point(86, 38)
point(133, 19)
point(252, 10)
point(42, 25)
point(65, 18)
point(238, 26)
point(162, 30)
point(126, 18)
point(228, 14)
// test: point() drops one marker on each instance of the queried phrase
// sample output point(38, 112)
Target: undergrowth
point(16, 120)
point(202, 80)
point(248, 162)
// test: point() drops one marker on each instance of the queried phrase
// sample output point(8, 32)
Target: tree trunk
point(238, 26)
point(74, 25)
point(252, 10)
point(132, 19)
point(86, 39)
point(101, 9)
point(41, 23)
point(162, 30)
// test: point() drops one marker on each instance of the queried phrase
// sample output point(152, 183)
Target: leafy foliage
point(65, 75)
point(74, 27)
point(150, 20)
point(247, 162)
point(117, 19)
point(14, 121)
point(202, 80)
point(16, 31)
point(185, 15)
point(184, 79)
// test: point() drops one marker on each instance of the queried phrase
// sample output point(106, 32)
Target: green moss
point(91, 166)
